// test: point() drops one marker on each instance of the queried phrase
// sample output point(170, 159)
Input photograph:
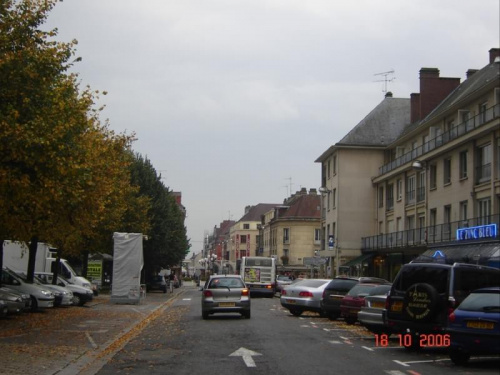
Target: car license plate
point(480, 325)
point(378, 305)
point(397, 306)
point(290, 300)
point(337, 298)
point(226, 304)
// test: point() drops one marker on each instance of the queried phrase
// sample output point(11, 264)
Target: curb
point(90, 362)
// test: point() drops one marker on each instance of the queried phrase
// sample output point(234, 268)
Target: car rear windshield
point(341, 285)
point(380, 290)
point(484, 302)
point(360, 289)
point(311, 283)
point(226, 283)
point(435, 276)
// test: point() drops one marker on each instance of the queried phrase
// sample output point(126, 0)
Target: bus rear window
point(259, 262)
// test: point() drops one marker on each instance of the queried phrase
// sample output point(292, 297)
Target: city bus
point(259, 274)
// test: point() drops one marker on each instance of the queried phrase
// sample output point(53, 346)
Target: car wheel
point(296, 312)
point(34, 304)
point(459, 357)
point(420, 302)
point(333, 316)
point(77, 300)
point(204, 315)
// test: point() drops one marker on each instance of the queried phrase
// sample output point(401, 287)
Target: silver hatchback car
point(225, 294)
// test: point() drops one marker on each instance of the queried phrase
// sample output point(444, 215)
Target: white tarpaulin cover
point(127, 265)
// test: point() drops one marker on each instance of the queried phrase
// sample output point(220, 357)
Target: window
point(484, 211)
point(334, 164)
point(484, 157)
point(334, 198)
point(482, 112)
point(433, 176)
point(463, 211)
point(447, 219)
point(400, 189)
point(286, 235)
point(466, 123)
point(328, 169)
point(317, 235)
point(447, 171)
point(381, 196)
point(246, 226)
point(463, 164)
point(243, 238)
point(390, 196)
point(421, 187)
point(410, 189)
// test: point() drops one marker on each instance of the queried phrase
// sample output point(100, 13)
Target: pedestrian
point(171, 279)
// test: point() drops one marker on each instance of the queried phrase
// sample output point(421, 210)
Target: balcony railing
point(442, 139)
point(424, 236)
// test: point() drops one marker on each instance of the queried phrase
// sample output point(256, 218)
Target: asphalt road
point(272, 342)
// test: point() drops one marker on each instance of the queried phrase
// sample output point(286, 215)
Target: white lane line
point(395, 372)
point(367, 348)
point(335, 342)
point(186, 299)
point(92, 342)
point(401, 363)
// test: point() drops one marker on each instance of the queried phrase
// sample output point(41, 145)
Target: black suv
point(337, 289)
point(424, 294)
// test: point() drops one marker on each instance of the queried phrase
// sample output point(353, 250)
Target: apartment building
point(347, 198)
point(291, 232)
point(417, 177)
point(437, 192)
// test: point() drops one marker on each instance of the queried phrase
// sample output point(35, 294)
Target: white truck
point(16, 254)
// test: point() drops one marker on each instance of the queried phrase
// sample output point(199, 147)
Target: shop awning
point(479, 253)
point(358, 260)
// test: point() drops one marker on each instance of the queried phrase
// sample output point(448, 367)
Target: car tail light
point(451, 317)
point(244, 292)
point(388, 302)
point(305, 294)
point(207, 293)
point(283, 292)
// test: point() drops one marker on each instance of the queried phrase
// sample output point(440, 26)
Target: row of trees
point(65, 177)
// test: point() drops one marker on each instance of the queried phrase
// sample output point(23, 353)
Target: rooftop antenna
point(290, 185)
point(386, 78)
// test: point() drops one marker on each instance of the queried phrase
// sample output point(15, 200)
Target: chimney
point(494, 53)
point(388, 94)
point(470, 72)
point(433, 90)
point(313, 191)
point(303, 191)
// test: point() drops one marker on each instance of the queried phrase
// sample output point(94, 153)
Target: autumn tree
point(64, 177)
point(167, 243)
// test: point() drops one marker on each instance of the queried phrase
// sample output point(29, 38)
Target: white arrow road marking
point(246, 354)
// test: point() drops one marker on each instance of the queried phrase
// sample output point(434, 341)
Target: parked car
point(424, 294)
point(81, 295)
point(4, 309)
point(337, 289)
point(303, 296)
point(474, 326)
point(40, 296)
point(157, 282)
point(282, 281)
point(371, 315)
point(355, 299)
point(225, 294)
point(63, 296)
point(17, 302)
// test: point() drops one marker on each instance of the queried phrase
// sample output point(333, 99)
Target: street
point(271, 342)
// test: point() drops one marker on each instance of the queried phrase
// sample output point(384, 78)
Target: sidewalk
point(75, 340)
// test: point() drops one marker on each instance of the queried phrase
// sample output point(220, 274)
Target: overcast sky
point(233, 100)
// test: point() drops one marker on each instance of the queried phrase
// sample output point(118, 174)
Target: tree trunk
point(32, 259)
point(1, 260)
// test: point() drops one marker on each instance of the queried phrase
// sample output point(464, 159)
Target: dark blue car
point(474, 326)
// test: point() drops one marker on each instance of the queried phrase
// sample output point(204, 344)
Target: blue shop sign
point(477, 233)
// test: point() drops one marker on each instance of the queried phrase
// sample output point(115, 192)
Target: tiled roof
point(304, 206)
point(255, 212)
point(381, 126)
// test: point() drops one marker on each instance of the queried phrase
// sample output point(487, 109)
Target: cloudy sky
point(233, 100)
